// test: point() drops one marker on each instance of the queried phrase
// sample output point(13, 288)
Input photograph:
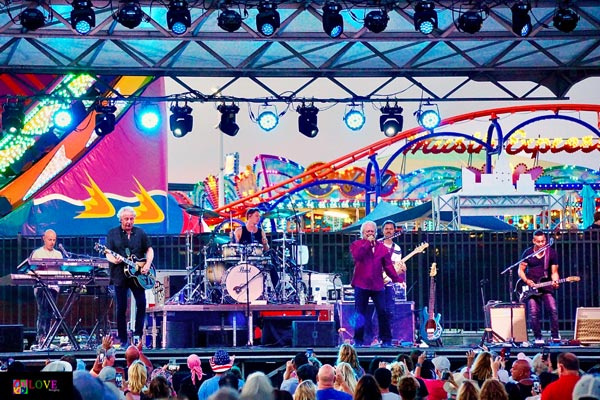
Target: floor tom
point(215, 269)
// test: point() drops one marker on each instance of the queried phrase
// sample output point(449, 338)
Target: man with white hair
point(371, 259)
point(127, 241)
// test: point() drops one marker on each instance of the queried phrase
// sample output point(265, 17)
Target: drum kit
point(242, 273)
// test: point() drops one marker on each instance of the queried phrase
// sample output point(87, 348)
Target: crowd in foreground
point(484, 376)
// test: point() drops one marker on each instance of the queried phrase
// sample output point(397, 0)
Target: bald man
point(519, 388)
point(325, 381)
point(45, 313)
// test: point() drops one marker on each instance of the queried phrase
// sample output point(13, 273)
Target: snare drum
point(215, 268)
point(231, 252)
point(243, 282)
point(254, 252)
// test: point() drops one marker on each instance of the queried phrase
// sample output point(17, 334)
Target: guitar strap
point(546, 260)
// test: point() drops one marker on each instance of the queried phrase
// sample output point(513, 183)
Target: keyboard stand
point(59, 316)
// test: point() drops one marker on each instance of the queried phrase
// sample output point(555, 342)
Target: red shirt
point(562, 389)
point(435, 387)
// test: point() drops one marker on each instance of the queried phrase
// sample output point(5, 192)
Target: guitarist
point(540, 263)
point(128, 240)
point(371, 259)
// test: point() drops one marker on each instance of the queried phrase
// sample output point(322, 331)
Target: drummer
point(251, 232)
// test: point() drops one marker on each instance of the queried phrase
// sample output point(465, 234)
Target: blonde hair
point(348, 375)
point(468, 390)
point(306, 390)
point(482, 367)
point(398, 369)
point(493, 389)
point(348, 354)
point(137, 377)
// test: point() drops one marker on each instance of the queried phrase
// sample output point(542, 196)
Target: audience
point(383, 377)
point(306, 390)
point(190, 384)
point(367, 389)
point(325, 385)
point(220, 363)
point(408, 387)
point(587, 388)
point(467, 390)
point(347, 353)
point(290, 376)
point(257, 386)
point(345, 378)
point(493, 389)
point(521, 385)
point(568, 375)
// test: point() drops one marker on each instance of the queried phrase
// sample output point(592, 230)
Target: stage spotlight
point(307, 120)
point(428, 118)
point(267, 118)
point(12, 117)
point(470, 22)
point(521, 21)
point(32, 19)
point(333, 23)
point(228, 125)
point(425, 17)
point(62, 118)
point(267, 19)
point(391, 120)
point(178, 17)
point(149, 116)
point(229, 20)
point(181, 120)
point(565, 19)
point(105, 118)
point(376, 21)
point(130, 14)
point(354, 118)
point(83, 17)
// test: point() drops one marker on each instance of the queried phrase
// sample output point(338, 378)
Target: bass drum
point(243, 283)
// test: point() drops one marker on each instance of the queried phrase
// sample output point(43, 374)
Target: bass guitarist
point(540, 263)
point(130, 242)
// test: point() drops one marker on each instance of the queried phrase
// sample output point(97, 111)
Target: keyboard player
point(44, 317)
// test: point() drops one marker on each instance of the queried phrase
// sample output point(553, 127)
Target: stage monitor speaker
point(11, 338)
point(500, 318)
point(314, 334)
point(587, 325)
point(277, 331)
point(402, 324)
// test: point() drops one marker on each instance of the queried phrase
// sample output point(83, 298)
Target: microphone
point(63, 251)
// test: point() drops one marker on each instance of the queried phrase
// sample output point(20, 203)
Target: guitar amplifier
point(587, 325)
point(501, 315)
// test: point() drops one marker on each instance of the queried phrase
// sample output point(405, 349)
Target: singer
point(44, 317)
point(371, 259)
point(541, 264)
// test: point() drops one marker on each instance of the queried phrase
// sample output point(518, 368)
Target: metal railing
point(469, 265)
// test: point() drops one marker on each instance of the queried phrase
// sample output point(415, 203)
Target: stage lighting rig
point(181, 121)
point(565, 19)
point(354, 118)
point(268, 118)
point(267, 19)
point(178, 17)
point(130, 14)
point(428, 116)
point(228, 125)
point(32, 19)
point(12, 117)
point(521, 21)
point(376, 21)
point(333, 23)
point(229, 20)
point(83, 17)
point(425, 17)
point(307, 120)
point(470, 21)
point(105, 117)
point(391, 120)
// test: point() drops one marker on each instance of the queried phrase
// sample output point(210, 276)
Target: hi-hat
point(287, 240)
point(199, 212)
point(297, 215)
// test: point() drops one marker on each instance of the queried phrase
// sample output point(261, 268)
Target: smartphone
point(101, 357)
point(545, 354)
point(536, 387)
point(173, 365)
point(505, 353)
point(119, 379)
point(309, 353)
point(430, 354)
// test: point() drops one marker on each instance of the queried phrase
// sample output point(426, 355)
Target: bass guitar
point(431, 330)
point(132, 268)
point(525, 291)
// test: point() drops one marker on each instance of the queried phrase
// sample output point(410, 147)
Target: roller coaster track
point(322, 171)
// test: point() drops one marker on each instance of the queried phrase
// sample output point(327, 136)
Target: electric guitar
point(431, 330)
point(419, 249)
point(525, 291)
point(132, 268)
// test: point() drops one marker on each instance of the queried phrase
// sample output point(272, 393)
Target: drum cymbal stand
point(190, 292)
point(287, 291)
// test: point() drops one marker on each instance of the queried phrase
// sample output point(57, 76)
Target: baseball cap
point(441, 363)
point(107, 374)
point(588, 387)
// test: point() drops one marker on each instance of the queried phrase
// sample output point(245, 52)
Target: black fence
point(469, 267)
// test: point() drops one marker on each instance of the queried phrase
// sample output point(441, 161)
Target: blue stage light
point(62, 118)
point(267, 120)
point(149, 116)
point(355, 118)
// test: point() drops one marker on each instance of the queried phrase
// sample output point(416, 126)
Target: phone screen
point(101, 357)
point(119, 379)
point(309, 353)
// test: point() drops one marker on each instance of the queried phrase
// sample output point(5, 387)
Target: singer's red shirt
point(370, 263)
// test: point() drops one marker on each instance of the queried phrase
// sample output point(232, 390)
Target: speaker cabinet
point(402, 324)
point(500, 316)
point(314, 334)
point(11, 338)
point(278, 331)
point(587, 325)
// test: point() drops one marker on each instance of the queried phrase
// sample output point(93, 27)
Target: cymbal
point(283, 240)
point(199, 212)
point(297, 215)
point(217, 238)
point(278, 213)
